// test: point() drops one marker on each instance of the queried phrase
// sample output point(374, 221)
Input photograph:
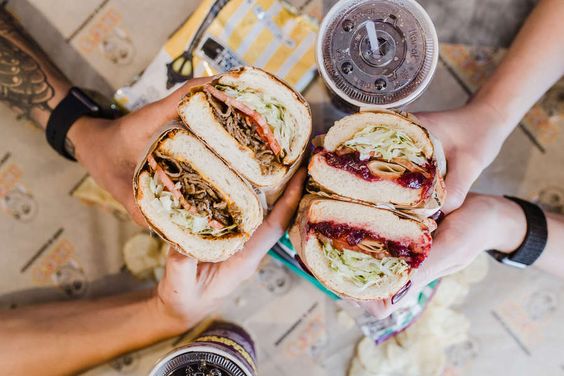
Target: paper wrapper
point(221, 35)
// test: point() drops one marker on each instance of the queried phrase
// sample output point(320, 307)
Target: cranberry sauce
point(352, 163)
point(353, 236)
point(413, 180)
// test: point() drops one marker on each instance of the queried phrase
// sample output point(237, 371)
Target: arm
point(513, 227)
point(31, 85)
point(65, 338)
point(481, 223)
point(473, 135)
point(109, 149)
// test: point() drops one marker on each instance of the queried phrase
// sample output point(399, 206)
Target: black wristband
point(535, 239)
point(75, 105)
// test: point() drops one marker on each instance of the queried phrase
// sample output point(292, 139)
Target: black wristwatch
point(535, 238)
point(75, 104)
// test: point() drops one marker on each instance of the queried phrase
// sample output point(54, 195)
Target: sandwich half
point(359, 251)
point(253, 121)
point(193, 200)
point(381, 158)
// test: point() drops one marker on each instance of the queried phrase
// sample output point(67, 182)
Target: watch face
point(85, 99)
point(99, 103)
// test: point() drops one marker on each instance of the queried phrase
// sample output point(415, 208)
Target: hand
point(190, 290)
point(111, 149)
point(471, 137)
point(481, 223)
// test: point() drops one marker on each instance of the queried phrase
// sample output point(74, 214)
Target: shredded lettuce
point(165, 202)
point(388, 143)
point(361, 269)
point(274, 113)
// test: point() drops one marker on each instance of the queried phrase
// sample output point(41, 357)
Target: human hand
point(471, 137)
point(111, 149)
point(481, 223)
point(190, 290)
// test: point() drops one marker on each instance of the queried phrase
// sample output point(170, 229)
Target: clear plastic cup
point(377, 53)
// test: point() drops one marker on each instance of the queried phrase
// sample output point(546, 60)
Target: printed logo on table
point(59, 267)
point(15, 198)
point(127, 363)
point(275, 278)
point(106, 35)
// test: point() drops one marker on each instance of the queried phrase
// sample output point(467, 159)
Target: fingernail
point(302, 265)
point(401, 293)
point(438, 216)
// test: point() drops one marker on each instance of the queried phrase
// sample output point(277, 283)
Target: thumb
point(246, 261)
point(459, 179)
point(180, 270)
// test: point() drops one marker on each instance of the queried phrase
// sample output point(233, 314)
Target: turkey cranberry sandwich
point(253, 121)
point(359, 251)
point(193, 200)
point(381, 158)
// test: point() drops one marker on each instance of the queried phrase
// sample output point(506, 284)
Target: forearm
point(534, 62)
point(31, 85)
point(64, 338)
point(511, 232)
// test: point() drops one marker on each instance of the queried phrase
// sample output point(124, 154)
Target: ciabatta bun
point(346, 184)
point(199, 118)
point(183, 146)
point(389, 224)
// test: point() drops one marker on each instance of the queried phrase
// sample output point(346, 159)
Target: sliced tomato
point(261, 126)
point(169, 185)
point(215, 224)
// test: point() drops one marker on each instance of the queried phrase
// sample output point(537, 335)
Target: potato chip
point(142, 255)
point(451, 291)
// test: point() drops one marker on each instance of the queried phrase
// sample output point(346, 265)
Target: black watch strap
point(73, 106)
point(535, 239)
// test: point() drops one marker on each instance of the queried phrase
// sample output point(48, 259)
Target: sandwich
point(193, 200)
point(359, 251)
point(380, 158)
point(254, 122)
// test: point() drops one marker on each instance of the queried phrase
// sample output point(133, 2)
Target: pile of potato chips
point(420, 349)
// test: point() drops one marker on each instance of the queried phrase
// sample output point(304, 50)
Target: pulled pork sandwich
point(359, 251)
point(381, 158)
point(193, 200)
point(253, 121)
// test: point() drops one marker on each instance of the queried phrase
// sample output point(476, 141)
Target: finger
point(179, 267)
point(270, 230)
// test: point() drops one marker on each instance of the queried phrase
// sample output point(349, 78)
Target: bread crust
point(240, 194)
point(305, 245)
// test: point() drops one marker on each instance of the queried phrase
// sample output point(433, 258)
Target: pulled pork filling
point(240, 128)
point(200, 208)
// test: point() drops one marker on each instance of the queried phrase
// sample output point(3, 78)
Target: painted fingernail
point(438, 216)
point(401, 293)
point(303, 266)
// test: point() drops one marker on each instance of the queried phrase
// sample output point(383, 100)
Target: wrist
point(171, 322)
point(495, 113)
point(510, 225)
point(85, 134)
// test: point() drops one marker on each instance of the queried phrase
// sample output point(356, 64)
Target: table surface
point(516, 315)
